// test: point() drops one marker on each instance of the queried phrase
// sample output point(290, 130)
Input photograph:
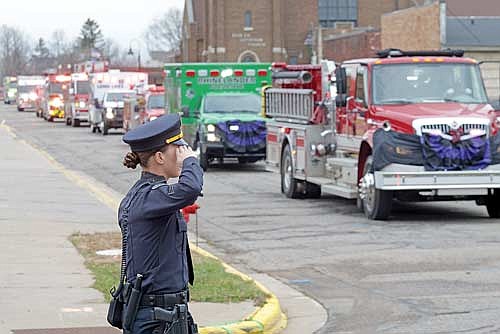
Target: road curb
point(267, 319)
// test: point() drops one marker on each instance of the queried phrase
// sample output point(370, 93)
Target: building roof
point(473, 31)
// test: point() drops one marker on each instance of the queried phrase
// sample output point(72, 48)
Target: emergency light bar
point(79, 77)
point(63, 78)
point(389, 53)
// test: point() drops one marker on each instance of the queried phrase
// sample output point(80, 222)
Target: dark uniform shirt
point(157, 244)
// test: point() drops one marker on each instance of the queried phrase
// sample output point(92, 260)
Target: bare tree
point(14, 51)
point(165, 32)
point(58, 43)
point(113, 52)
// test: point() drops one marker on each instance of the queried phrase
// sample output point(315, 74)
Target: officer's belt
point(166, 300)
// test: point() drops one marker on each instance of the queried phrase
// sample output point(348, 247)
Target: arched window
point(248, 19)
point(248, 56)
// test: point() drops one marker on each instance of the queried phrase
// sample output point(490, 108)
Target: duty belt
point(165, 300)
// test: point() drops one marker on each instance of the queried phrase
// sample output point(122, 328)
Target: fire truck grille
point(447, 129)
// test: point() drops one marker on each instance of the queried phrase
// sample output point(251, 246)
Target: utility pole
point(320, 44)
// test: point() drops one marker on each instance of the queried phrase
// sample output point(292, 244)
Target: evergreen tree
point(91, 38)
point(41, 49)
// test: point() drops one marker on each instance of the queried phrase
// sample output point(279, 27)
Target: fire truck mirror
point(341, 80)
point(185, 111)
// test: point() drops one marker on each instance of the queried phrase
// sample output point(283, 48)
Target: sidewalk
point(43, 280)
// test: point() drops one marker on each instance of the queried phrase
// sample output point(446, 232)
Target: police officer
point(158, 259)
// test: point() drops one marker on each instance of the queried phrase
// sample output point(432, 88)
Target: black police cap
point(155, 134)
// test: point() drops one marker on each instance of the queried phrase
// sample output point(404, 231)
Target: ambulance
point(220, 106)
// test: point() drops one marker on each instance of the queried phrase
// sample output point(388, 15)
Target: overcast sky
point(121, 20)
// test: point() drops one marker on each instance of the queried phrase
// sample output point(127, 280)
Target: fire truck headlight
point(109, 113)
point(212, 137)
point(211, 128)
point(57, 103)
point(82, 104)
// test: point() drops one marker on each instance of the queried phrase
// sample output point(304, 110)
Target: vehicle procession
point(403, 125)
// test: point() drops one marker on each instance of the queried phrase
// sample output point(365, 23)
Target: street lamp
point(131, 52)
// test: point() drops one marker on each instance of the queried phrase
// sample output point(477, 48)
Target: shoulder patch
point(158, 185)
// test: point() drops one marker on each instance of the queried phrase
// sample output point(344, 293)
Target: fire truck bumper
point(27, 106)
point(404, 177)
point(218, 150)
point(56, 113)
point(82, 115)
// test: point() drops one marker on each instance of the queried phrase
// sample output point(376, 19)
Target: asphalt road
point(433, 268)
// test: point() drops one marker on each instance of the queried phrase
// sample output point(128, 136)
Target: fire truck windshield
point(119, 97)
point(82, 87)
point(156, 102)
point(26, 89)
point(58, 88)
point(245, 103)
point(427, 83)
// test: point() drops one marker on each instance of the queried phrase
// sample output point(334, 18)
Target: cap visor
point(180, 142)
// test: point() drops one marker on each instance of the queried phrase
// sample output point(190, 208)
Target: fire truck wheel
point(377, 204)
point(492, 204)
point(289, 184)
point(50, 119)
point(313, 190)
point(68, 121)
point(104, 129)
point(75, 123)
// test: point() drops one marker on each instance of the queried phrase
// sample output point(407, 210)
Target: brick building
point(471, 26)
point(277, 30)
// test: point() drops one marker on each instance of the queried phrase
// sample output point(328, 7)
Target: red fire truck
point(145, 107)
point(56, 92)
point(412, 126)
point(76, 107)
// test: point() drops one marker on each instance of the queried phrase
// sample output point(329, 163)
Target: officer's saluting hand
point(158, 259)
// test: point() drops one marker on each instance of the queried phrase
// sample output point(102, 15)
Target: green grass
point(212, 282)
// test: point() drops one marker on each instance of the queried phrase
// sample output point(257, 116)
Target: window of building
point(332, 11)
point(248, 58)
point(248, 19)
point(293, 60)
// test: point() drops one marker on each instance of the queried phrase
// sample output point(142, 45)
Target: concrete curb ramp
point(268, 319)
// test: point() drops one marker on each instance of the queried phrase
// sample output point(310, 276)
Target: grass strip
point(212, 282)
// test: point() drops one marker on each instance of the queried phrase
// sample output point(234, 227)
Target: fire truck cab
point(76, 107)
point(412, 126)
point(56, 92)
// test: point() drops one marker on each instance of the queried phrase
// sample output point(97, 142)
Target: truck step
point(327, 187)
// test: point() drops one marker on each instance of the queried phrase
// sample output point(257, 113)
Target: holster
point(115, 310)
point(177, 320)
point(133, 303)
